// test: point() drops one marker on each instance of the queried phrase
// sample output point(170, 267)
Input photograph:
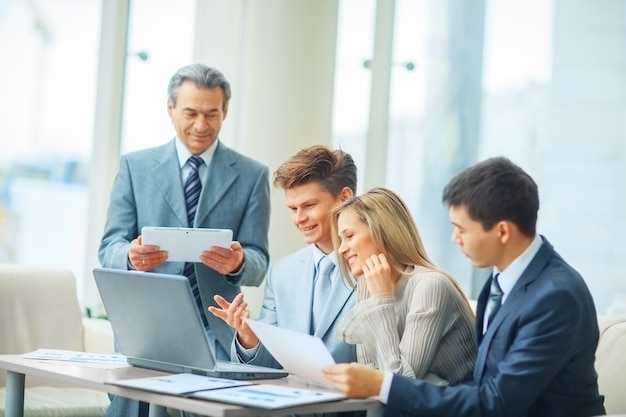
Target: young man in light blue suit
point(536, 322)
point(149, 191)
point(314, 180)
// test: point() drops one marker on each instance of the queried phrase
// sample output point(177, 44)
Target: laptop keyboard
point(242, 367)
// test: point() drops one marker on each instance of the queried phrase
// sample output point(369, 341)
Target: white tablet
point(185, 244)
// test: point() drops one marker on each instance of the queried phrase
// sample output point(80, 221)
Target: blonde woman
point(410, 317)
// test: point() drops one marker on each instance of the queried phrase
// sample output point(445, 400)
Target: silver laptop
point(157, 325)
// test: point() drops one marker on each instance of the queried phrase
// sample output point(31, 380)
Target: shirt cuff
point(240, 270)
point(233, 277)
point(385, 387)
point(246, 354)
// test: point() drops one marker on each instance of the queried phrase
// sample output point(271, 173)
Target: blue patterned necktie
point(321, 289)
point(192, 188)
point(495, 299)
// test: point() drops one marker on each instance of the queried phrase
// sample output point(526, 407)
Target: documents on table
point(179, 383)
point(269, 396)
point(78, 356)
point(230, 391)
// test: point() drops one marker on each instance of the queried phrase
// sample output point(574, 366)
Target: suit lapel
point(339, 296)
point(303, 295)
point(512, 303)
point(219, 179)
point(166, 172)
point(302, 298)
point(529, 275)
point(481, 305)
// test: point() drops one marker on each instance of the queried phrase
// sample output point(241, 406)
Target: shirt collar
point(512, 273)
point(318, 254)
point(184, 154)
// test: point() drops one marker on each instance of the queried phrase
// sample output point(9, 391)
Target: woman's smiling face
point(356, 243)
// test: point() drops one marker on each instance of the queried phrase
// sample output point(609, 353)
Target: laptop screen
point(154, 319)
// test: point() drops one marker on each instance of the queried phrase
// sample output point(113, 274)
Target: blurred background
point(415, 90)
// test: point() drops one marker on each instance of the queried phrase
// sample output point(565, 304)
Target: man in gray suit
point(231, 192)
point(314, 179)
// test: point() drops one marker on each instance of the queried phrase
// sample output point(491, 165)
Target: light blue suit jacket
point(536, 358)
point(148, 191)
point(287, 303)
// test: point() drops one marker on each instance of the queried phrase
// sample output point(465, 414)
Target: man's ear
point(505, 230)
point(170, 107)
point(346, 194)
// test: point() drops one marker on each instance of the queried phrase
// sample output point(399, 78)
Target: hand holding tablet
point(185, 244)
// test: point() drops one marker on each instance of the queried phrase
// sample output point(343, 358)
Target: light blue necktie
point(321, 289)
point(192, 188)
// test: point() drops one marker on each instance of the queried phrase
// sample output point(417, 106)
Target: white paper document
point(77, 356)
point(268, 396)
point(299, 353)
point(179, 384)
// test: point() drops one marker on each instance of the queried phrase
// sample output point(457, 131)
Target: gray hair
point(202, 76)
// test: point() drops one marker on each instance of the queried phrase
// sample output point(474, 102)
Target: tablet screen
point(186, 244)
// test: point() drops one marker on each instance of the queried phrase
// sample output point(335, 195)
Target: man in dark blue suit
point(535, 322)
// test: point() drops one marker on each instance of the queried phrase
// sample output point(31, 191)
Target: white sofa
point(611, 364)
point(39, 309)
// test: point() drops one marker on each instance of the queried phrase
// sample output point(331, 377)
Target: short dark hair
point(331, 169)
point(202, 76)
point(494, 190)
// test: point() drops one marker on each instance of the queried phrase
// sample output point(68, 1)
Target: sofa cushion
point(38, 309)
point(98, 336)
point(60, 402)
point(611, 364)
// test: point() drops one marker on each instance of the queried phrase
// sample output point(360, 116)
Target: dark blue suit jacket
point(536, 358)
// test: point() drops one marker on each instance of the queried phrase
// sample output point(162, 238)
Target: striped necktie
point(192, 188)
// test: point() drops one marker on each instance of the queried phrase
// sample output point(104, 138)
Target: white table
point(86, 376)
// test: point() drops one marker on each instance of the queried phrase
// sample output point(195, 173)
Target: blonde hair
point(391, 228)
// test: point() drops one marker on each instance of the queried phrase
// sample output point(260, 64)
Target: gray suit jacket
point(287, 304)
point(148, 191)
